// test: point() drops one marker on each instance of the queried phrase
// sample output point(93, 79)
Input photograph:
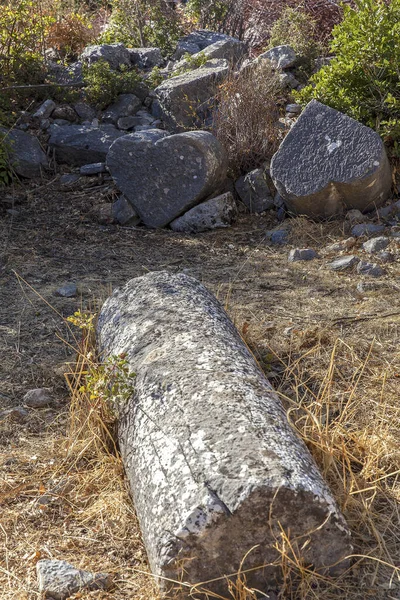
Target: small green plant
point(298, 29)
point(103, 85)
point(190, 62)
point(6, 170)
point(155, 78)
point(363, 78)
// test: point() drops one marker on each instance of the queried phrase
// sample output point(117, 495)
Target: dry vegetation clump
point(246, 117)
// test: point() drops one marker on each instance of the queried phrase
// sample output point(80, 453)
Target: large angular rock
point(212, 214)
point(179, 97)
point(163, 177)
point(255, 191)
point(230, 49)
point(146, 58)
point(79, 145)
point(126, 105)
point(197, 41)
point(26, 154)
point(115, 54)
point(281, 57)
point(214, 467)
point(59, 580)
point(329, 163)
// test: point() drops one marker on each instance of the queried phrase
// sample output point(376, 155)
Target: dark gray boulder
point(26, 154)
point(214, 467)
point(256, 190)
point(212, 214)
point(329, 163)
point(164, 176)
point(197, 41)
point(126, 105)
point(79, 145)
point(115, 54)
point(146, 58)
point(181, 96)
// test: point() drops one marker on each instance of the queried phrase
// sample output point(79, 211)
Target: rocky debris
point(388, 211)
point(45, 110)
point(362, 229)
point(288, 80)
point(38, 398)
point(25, 152)
point(93, 169)
point(293, 110)
point(180, 97)
point(255, 191)
point(197, 41)
point(302, 254)
point(329, 163)
point(281, 57)
point(124, 213)
point(64, 112)
point(346, 244)
point(227, 471)
point(370, 286)
point(126, 105)
point(230, 49)
point(355, 216)
point(277, 237)
point(69, 290)
point(69, 179)
point(79, 145)
point(344, 262)
point(16, 413)
point(375, 244)
point(58, 580)
point(84, 111)
point(385, 257)
point(146, 58)
point(115, 54)
point(370, 269)
point(141, 118)
point(70, 74)
point(212, 214)
point(163, 177)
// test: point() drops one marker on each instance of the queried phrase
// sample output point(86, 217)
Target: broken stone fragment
point(212, 214)
point(329, 163)
point(214, 467)
point(59, 580)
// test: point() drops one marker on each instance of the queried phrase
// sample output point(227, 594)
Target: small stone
point(256, 190)
point(69, 179)
point(212, 214)
point(65, 112)
point(281, 57)
point(84, 111)
point(344, 262)
point(125, 106)
point(346, 244)
point(294, 109)
point(12, 212)
point(278, 237)
point(302, 254)
point(67, 291)
point(366, 229)
point(387, 211)
point(38, 398)
point(371, 269)
point(93, 169)
point(17, 413)
point(59, 580)
point(385, 257)
point(355, 216)
point(45, 110)
point(124, 213)
point(375, 244)
point(369, 286)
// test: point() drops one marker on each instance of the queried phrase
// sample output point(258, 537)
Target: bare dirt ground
point(333, 353)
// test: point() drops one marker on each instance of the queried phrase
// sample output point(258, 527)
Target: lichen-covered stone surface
point(329, 163)
point(163, 177)
point(213, 465)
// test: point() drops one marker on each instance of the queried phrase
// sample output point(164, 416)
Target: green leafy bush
point(190, 62)
point(103, 85)
point(363, 78)
point(143, 23)
point(6, 170)
point(155, 78)
point(209, 14)
point(298, 29)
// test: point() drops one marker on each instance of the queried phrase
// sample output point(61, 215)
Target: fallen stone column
point(213, 465)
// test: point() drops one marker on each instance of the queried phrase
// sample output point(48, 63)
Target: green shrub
point(209, 14)
point(190, 62)
point(155, 78)
point(143, 23)
point(298, 29)
point(363, 78)
point(103, 85)
point(6, 170)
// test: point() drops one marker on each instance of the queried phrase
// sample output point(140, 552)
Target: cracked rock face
point(213, 465)
point(329, 163)
point(163, 177)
